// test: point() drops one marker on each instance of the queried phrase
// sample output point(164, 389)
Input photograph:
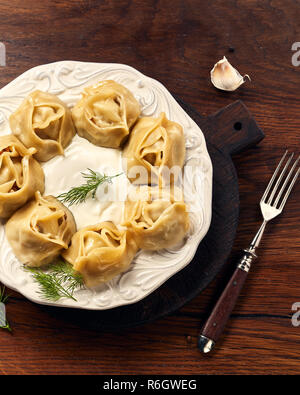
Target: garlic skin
point(225, 77)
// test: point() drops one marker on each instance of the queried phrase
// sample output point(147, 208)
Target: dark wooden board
point(229, 131)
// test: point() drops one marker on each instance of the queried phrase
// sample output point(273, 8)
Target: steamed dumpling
point(40, 231)
point(20, 175)
point(105, 114)
point(44, 122)
point(100, 252)
point(158, 218)
point(156, 149)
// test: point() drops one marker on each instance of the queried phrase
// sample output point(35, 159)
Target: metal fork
point(271, 206)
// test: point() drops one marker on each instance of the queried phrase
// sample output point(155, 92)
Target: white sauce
point(64, 172)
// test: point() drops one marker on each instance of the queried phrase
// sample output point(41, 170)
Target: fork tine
point(279, 179)
point(285, 182)
point(273, 177)
point(289, 190)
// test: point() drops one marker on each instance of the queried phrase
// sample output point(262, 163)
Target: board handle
point(233, 128)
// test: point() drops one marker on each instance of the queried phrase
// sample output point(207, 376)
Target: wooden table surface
point(177, 42)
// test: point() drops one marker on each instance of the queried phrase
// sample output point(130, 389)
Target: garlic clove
point(225, 77)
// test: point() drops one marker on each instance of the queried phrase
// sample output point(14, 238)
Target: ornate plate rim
point(55, 71)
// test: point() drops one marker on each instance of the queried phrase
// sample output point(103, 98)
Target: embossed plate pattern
point(149, 269)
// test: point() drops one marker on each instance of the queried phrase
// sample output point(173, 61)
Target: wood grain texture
point(177, 42)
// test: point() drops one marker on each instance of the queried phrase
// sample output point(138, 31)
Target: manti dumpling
point(158, 218)
point(40, 230)
point(105, 114)
point(155, 151)
point(100, 252)
point(20, 175)
point(44, 122)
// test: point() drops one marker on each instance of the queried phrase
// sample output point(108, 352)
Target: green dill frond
point(79, 194)
point(6, 326)
point(57, 281)
point(3, 297)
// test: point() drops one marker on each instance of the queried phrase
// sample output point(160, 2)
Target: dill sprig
point(59, 280)
point(3, 299)
point(79, 194)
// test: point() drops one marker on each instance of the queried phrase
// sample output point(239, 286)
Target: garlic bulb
point(226, 77)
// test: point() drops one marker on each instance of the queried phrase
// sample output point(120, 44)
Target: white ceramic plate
point(149, 269)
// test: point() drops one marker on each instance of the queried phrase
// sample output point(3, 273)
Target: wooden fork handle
point(217, 320)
